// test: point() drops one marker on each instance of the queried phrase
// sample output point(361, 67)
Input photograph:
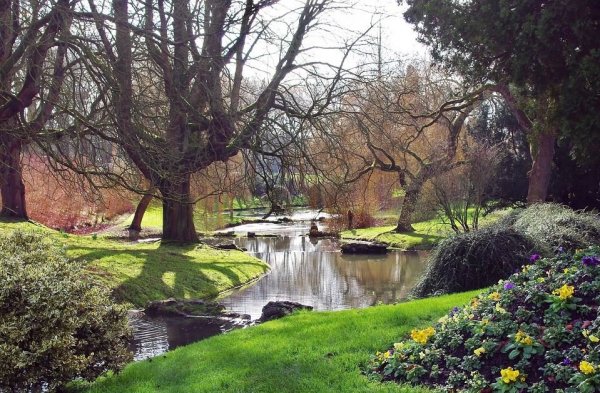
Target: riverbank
point(425, 236)
point(306, 352)
point(139, 272)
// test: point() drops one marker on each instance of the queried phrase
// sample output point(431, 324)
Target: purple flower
point(590, 261)
point(566, 362)
point(534, 257)
point(455, 310)
point(508, 285)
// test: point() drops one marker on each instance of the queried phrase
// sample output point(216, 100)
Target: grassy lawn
point(306, 352)
point(203, 221)
point(141, 272)
point(426, 234)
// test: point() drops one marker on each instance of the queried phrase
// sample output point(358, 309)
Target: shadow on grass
point(140, 275)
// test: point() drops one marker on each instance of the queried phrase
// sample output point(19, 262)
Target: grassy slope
point(426, 234)
point(307, 352)
point(138, 273)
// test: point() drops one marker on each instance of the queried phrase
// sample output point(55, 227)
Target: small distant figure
point(350, 219)
point(314, 229)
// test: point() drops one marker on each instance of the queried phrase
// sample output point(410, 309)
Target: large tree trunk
point(541, 170)
point(407, 209)
point(178, 212)
point(136, 223)
point(12, 187)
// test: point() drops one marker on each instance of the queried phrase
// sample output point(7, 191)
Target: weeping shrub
point(474, 260)
point(481, 258)
point(559, 226)
point(55, 323)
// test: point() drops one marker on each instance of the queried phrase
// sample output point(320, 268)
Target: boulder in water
point(228, 246)
point(364, 248)
point(279, 309)
point(183, 308)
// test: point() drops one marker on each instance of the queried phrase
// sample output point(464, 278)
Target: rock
point(251, 234)
point(323, 234)
point(364, 248)
point(279, 309)
point(228, 246)
point(183, 308)
point(225, 234)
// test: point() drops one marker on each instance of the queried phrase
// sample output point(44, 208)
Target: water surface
point(309, 271)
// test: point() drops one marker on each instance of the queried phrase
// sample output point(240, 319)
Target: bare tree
point(407, 123)
point(175, 72)
point(33, 51)
point(463, 192)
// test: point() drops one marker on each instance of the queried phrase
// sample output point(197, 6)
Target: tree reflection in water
point(320, 276)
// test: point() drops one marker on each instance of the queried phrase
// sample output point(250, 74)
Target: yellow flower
point(523, 338)
point(509, 375)
point(398, 346)
point(485, 321)
point(474, 303)
point(495, 296)
point(443, 319)
point(479, 351)
point(591, 337)
point(525, 269)
point(587, 367)
point(565, 292)
point(541, 279)
point(500, 309)
point(422, 336)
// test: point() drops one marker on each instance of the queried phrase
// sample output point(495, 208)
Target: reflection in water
point(309, 271)
point(320, 276)
point(154, 336)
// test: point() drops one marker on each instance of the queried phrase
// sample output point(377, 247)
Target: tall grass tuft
point(474, 260)
point(481, 258)
point(556, 226)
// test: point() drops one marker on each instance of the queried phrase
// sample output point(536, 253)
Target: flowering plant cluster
point(537, 331)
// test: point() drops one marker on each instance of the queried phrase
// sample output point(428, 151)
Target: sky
point(348, 20)
point(397, 35)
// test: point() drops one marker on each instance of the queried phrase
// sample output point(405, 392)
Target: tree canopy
point(547, 51)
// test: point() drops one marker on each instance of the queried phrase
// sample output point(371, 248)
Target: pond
point(309, 271)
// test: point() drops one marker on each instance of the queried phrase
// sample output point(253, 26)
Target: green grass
point(141, 272)
point(426, 235)
point(306, 352)
point(203, 221)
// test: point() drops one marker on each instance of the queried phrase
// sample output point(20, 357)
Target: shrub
point(539, 331)
point(474, 260)
point(556, 225)
point(55, 324)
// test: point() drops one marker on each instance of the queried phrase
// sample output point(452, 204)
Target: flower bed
point(538, 331)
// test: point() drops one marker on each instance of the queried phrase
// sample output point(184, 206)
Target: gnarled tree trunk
point(136, 223)
point(178, 211)
point(408, 208)
point(12, 187)
point(541, 170)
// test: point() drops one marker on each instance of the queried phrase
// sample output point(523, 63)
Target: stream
point(309, 271)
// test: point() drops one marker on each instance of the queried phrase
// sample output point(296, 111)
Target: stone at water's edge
point(279, 309)
point(229, 246)
point(364, 248)
point(189, 308)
